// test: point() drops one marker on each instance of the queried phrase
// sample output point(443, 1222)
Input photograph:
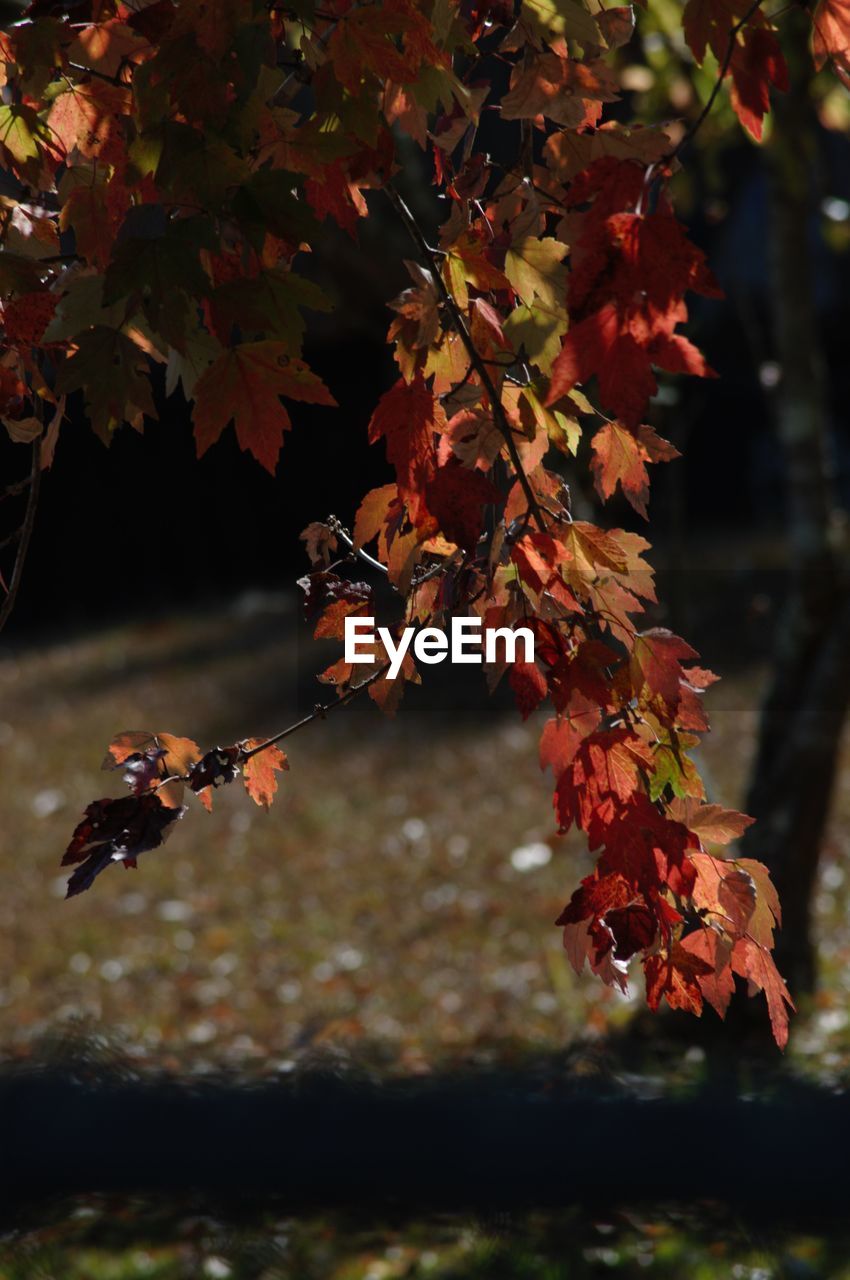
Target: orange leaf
point(756, 963)
point(620, 457)
point(245, 384)
point(259, 770)
point(831, 35)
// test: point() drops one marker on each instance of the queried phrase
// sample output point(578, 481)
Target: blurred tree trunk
point(804, 711)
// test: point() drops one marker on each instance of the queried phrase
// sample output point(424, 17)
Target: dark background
point(143, 525)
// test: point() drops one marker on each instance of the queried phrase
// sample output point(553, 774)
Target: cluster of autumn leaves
point(158, 768)
point(169, 167)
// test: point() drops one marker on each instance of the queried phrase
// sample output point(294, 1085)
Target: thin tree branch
point(502, 424)
point(345, 537)
point(12, 490)
point(319, 712)
point(436, 570)
point(25, 534)
point(99, 75)
point(734, 32)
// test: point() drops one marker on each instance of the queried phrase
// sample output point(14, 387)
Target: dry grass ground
point(399, 896)
point(382, 900)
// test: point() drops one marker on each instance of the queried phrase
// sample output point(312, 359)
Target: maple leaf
point(216, 767)
point(627, 293)
point(725, 890)
point(150, 758)
point(757, 64)
point(19, 130)
point(116, 831)
point(406, 417)
point(675, 976)
point(87, 214)
point(529, 685)
point(244, 384)
point(418, 308)
point(755, 963)
point(560, 88)
point(361, 47)
point(569, 154)
point(109, 47)
point(258, 772)
point(717, 984)
point(617, 25)
point(87, 118)
point(466, 262)
point(711, 822)
point(656, 662)
point(474, 437)
point(595, 896)
point(831, 35)
point(149, 269)
point(578, 941)
point(25, 318)
point(620, 458)
point(113, 375)
point(549, 19)
point(767, 913)
point(456, 496)
point(605, 774)
point(373, 512)
point(707, 23)
point(540, 559)
point(535, 269)
point(634, 928)
point(563, 735)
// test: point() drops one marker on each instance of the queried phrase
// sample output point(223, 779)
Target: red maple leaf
point(626, 298)
point(456, 496)
point(407, 416)
point(757, 64)
point(675, 977)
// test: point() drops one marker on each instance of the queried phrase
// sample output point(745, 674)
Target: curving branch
point(320, 712)
point(478, 363)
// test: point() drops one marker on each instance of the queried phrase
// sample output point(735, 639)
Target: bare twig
point(99, 75)
point(502, 424)
point(319, 712)
point(25, 534)
point(12, 490)
point(345, 537)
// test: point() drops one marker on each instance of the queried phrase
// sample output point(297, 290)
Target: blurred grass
point(399, 896)
point(377, 902)
point(574, 1245)
point(395, 907)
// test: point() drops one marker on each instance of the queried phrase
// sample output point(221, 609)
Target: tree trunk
point(804, 711)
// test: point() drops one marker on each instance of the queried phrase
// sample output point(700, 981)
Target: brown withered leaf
point(116, 831)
